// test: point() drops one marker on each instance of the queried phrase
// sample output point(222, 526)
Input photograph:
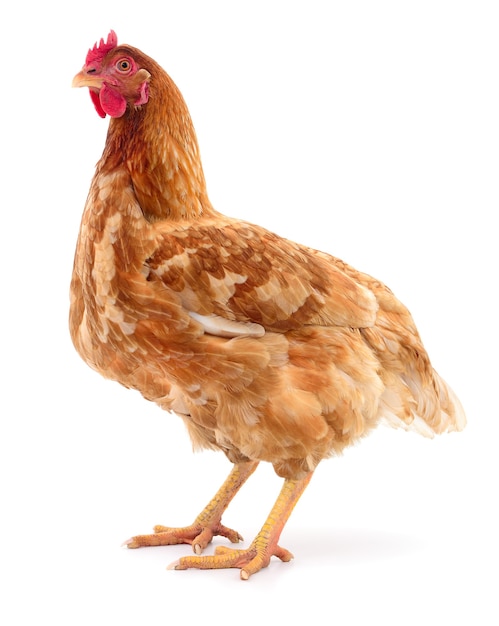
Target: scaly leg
point(263, 547)
point(207, 523)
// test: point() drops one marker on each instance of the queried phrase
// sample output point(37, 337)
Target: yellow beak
point(82, 79)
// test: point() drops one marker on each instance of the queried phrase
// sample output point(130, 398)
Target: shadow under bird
point(267, 349)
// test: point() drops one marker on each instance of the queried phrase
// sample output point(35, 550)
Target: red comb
point(98, 52)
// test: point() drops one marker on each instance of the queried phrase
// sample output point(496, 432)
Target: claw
point(197, 535)
point(249, 561)
point(207, 525)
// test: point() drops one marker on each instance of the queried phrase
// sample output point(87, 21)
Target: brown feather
point(157, 271)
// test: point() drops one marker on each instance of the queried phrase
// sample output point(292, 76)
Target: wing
point(237, 278)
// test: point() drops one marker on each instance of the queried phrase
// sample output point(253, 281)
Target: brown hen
point(268, 350)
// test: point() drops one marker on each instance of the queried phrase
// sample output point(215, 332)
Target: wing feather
point(241, 272)
point(221, 327)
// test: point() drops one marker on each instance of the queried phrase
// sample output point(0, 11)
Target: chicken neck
point(158, 146)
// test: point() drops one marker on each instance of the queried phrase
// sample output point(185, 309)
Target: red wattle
point(112, 102)
point(94, 95)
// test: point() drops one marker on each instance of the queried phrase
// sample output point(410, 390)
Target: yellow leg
point(207, 524)
point(263, 547)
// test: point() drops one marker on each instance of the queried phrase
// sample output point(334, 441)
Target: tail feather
point(439, 412)
point(453, 415)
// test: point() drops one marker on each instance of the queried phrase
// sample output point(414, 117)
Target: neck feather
point(158, 145)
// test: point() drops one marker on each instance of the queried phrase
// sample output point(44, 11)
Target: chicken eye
point(124, 65)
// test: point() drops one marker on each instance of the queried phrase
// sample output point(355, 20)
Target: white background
point(368, 129)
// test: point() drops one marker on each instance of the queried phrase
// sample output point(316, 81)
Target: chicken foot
point(263, 547)
point(207, 524)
